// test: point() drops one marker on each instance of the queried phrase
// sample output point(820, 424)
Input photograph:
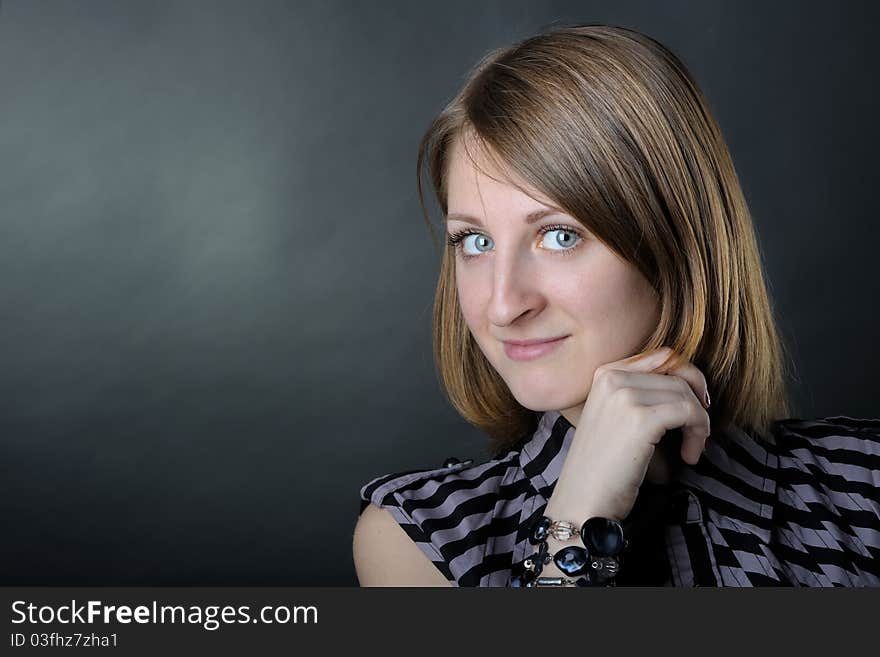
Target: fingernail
point(706, 400)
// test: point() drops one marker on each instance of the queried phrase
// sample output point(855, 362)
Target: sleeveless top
point(802, 512)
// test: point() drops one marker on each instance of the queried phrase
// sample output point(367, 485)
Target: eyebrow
point(531, 217)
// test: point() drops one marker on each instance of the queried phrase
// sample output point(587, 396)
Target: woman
point(601, 276)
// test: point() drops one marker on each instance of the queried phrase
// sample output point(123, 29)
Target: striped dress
point(802, 512)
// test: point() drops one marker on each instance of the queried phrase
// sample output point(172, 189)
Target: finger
point(698, 426)
point(650, 381)
point(690, 373)
point(696, 434)
point(690, 417)
point(643, 362)
point(659, 395)
point(665, 361)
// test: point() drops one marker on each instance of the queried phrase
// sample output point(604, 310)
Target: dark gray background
point(216, 285)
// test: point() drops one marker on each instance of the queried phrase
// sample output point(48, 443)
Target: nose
point(514, 289)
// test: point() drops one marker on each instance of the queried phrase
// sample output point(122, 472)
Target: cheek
point(470, 299)
point(588, 295)
point(608, 288)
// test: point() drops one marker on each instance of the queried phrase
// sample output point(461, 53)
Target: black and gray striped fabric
point(803, 512)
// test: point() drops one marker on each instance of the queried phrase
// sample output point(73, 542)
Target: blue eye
point(567, 238)
point(480, 242)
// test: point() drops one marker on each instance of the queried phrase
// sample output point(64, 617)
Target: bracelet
point(556, 581)
point(597, 563)
point(573, 561)
point(567, 581)
point(562, 530)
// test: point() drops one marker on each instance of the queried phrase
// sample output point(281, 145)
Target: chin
point(537, 394)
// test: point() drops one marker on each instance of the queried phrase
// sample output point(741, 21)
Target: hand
point(631, 405)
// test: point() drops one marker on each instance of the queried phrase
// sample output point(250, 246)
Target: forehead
point(476, 182)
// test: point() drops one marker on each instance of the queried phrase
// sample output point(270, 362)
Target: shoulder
point(439, 509)
point(837, 446)
point(441, 489)
point(744, 471)
point(384, 489)
point(802, 509)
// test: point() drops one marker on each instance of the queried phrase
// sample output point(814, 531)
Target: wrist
point(564, 505)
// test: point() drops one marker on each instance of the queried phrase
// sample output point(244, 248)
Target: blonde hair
point(610, 125)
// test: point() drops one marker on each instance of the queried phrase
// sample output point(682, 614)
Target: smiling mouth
point(532, 350)
point(527, 343)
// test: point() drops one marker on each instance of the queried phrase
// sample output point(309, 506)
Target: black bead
point(572, 560)
point(543, 554)
point(448, 463)
point(602, 536)
point(540, 530)
point(538, 559)
point(589, 578)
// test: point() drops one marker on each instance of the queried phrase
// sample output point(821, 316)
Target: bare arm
point(385, 556)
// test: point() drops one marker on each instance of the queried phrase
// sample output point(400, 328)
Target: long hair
point(610, 125)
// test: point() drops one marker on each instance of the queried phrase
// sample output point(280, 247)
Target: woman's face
point(527, 281)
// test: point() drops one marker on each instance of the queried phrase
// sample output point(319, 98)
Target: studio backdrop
point(216, 281)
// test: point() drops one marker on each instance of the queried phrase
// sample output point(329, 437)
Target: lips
point(528, 343)
point(523, 350)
